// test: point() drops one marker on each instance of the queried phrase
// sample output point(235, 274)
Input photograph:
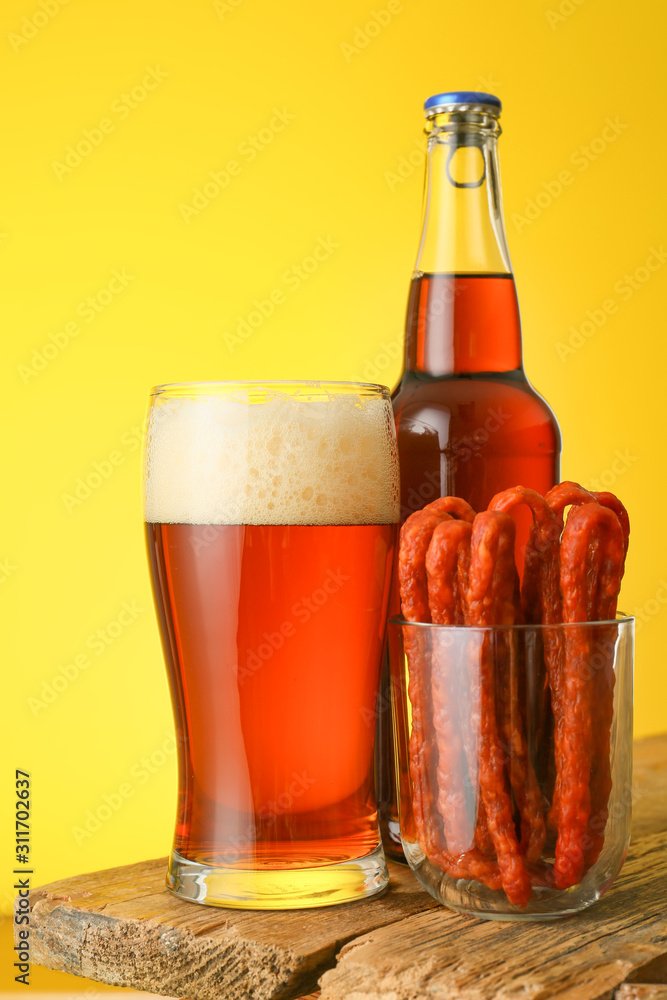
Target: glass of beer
point(271, 518)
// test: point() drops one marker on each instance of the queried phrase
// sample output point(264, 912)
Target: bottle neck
point(463, 229)
point(463, 314)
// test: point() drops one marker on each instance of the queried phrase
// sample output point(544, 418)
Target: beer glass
point(271, 516)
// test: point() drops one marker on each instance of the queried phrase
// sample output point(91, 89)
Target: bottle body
point(475, 430)
point(467, 435)
point(468, 421)
point(472, 438)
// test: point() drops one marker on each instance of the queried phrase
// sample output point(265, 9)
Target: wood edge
point(71, 881)
point(101, 948)
point(55, 919)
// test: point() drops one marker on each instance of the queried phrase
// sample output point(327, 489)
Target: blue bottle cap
point(452, 98)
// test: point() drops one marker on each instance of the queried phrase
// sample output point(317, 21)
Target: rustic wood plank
point(584, 957)
point(654, 972)
point(641, 991)
point(649, 785)
point(123, 927)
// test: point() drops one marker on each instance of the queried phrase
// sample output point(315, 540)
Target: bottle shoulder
point(416, 389)
point(468, 400)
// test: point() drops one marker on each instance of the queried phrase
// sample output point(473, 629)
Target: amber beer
point(271, 524)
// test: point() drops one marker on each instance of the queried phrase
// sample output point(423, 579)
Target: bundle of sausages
point(458, 568)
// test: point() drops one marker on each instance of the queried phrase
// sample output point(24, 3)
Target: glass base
point(283, 889)
point(473, 899)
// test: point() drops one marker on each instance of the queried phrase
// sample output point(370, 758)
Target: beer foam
point(224, 460)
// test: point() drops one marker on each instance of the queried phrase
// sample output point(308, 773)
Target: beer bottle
point(469, 423)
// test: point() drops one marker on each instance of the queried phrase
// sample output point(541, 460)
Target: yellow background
point(350, 115)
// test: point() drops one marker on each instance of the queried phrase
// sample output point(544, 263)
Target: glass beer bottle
point(469, 423)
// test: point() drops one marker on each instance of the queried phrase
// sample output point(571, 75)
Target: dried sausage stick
point(524, 782)
point(541, 602)
point(569, 493)
point(525, 787)
point(541, 589)
point(613, 503)
point(566, 494)
point(449, 550)
point(529, 596)
point(561, 496)
point(602, 662)
point(590, 573)
point(461, 509)
point(447, 560)
point(573, 737)
point(415, 538)
point(454, 506)
point(491, 602)
point(472, 865)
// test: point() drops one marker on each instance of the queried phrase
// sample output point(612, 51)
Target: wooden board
point(630, 991)
point(123, 927)
point(447, 956)
point(584, 957)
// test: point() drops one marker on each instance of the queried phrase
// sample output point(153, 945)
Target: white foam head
point(225, 459)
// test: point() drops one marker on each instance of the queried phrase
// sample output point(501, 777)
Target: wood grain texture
point(578, 958)
point(649, 786)
point(585, 957)
point(640, 991)
point(123, 927)
point(654, 972)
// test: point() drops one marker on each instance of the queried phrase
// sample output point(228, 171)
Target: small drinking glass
point(498, 798)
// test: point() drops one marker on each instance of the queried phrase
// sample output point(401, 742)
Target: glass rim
point(400, 621)
point(218, 386)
